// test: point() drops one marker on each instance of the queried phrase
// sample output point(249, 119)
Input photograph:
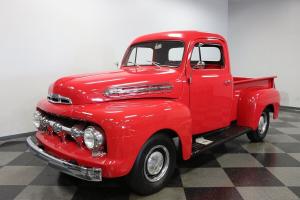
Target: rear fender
point(252, 103)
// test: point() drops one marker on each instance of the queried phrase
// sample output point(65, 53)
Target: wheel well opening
point(174, 136)
point(270, 108)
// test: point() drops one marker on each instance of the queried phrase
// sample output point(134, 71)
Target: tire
point(263, 126)
point(154, 166)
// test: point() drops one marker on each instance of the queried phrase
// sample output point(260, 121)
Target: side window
point(207, 56)
point(175, 55)
point(195, 55)
point(211, 54)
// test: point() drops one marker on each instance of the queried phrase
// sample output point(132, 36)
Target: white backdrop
point(264, 39)
point(41, 40)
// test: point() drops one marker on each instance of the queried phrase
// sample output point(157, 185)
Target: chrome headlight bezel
point(93, 138)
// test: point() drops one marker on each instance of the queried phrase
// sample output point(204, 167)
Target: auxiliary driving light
point(57, 127)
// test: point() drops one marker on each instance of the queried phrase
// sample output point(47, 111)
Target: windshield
point(158, 53)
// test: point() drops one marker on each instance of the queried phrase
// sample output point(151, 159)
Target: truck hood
point(125, 83)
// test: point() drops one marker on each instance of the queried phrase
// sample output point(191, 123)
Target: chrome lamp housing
point(93, 138)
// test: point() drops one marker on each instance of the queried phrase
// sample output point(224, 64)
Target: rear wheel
point(263, 126)
point(154, 165)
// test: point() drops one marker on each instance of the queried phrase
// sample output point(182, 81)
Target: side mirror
point(199, 65)
point(116, 64)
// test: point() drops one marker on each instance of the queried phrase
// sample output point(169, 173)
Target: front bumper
point(90, 174)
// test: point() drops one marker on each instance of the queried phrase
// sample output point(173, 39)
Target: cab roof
point(185, 36)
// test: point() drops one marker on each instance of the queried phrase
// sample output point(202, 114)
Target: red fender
point(139, 120)
point(252, 102)
point(127, 126)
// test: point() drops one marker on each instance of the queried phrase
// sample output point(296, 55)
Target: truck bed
point(241, 84)
point(262, 83)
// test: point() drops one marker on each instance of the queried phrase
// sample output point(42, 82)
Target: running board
point(207, 141)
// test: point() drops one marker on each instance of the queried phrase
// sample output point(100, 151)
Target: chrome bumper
point(90, 174)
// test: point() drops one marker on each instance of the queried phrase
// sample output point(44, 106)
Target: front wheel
point(154, 165)
point(263, 125)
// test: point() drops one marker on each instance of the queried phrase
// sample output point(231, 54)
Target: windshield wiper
point(154, 63)
point(160, 65)
point(157, 64)
point(134, 64)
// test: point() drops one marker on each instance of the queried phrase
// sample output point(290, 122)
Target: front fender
point(251, 104)
point(129, 124)
point(134, 122)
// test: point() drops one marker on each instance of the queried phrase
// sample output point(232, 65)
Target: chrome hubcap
point(156, 163)
point(262, 123)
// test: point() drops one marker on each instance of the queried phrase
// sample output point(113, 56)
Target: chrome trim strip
point(56, 98)
point(89, 174)
point(63, 128)
point(117, 91)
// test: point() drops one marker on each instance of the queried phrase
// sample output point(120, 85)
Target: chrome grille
point(56, 98)
point(65, 128)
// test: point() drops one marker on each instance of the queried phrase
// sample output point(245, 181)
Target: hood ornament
point(56, 98)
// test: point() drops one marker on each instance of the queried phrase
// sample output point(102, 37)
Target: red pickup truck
point(173, 96)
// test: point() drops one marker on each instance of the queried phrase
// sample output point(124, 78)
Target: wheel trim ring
point(262, 124)
point(156, 177)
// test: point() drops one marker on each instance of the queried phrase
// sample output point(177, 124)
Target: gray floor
point(237, 170)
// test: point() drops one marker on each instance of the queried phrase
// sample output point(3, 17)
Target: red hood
point(90, 88)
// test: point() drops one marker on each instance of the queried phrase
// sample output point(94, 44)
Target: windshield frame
point(131, 47)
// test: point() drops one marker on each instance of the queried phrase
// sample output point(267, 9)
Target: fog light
point(44, 122)
point(57, 127)
point(37, 117)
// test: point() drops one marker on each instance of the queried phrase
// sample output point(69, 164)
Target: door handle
point(227, 82)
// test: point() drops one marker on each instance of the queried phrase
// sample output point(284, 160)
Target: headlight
point(92, 137)
point(37, 117)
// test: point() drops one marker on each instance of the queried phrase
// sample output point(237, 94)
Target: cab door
point(211, 88)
